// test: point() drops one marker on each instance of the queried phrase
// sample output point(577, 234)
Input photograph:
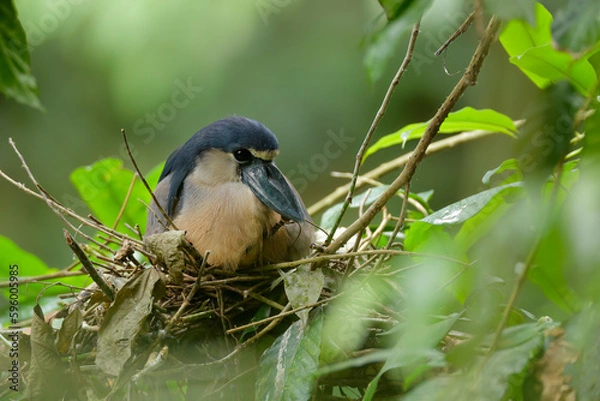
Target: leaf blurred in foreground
point(497, 377)
point(287, 367)
point(577, 25)
point(16, 79)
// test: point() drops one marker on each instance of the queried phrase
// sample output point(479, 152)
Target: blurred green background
point(163, 70)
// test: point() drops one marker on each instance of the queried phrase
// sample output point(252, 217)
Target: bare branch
point(125, 202)
point(461, 29)
point(89, 268)
point(44, 277)
point(160, 208)
point(469, 78)
point(392, 165)
point(374, 124)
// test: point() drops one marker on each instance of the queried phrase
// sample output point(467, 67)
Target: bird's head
point(234, 149)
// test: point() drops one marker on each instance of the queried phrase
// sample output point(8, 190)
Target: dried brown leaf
point(46, 379)
point(167, 247)
point(70, 326)
point(125, 319)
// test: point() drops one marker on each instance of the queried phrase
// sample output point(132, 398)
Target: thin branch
point(385, 219)
point(400, 221)
point(125, 202)
point(400, 161)
point(461, 29)
point(151, 210)
point(522, 277)
point(346, 255)
point(269, 327)
point(98, 226)
point(89, 268)
point(258, 297)
point(513, 295)
point(583, 113)
point(374, 124)
point(135, 165)
point(44, 277)
point(376, 183)
point(50, 201)
point(285, 312)
point(469, 78)
point(188, 299)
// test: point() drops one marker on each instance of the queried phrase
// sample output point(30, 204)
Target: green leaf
point(125, 318)
point(530, 48)
point(464, 209)
point(553, 66)
point(404, 357)
point(415, 351)
point(478, 226)
point(384, 44)
point(511, 9)
point(362, 360)
point(347, 324)
point(506, 165)
point(104, 185)
point(262, 313)
point(29, 265)
point(466, 119)
point(499, 377)
point(393, 8)
point(419, 233)
point(303, 287)
point(16, 79)
point(548, 271)
point(436, 273)
point(577, 25)
point(518, 37)
point(287, 368)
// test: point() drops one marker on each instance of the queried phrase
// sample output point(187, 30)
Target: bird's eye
point(242, 155)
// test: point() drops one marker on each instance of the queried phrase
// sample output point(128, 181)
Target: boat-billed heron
point(223, 188)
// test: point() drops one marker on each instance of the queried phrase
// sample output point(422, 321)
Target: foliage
point(425, 309)
point(16, 79)
point(466, 119)
point(104, 186)
point(530, 48)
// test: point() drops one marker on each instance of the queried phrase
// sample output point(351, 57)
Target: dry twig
point(139, 173)
point(400, 161)
point(469, 78)
point(363, 147)
point(89, 268)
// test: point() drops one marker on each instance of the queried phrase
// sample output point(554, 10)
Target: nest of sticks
point(156, 296)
